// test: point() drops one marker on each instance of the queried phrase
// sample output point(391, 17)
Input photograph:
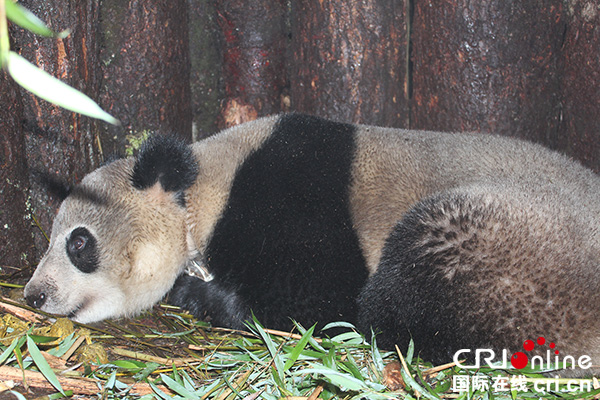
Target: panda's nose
point(36, 300)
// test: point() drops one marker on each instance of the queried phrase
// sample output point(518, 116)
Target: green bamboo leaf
point(147, 397)
point(176, 376)
point(311, 340)
point(17, 342)
point(18, 395)
point(129, 364)
point(4, 42)
point(42, 339)
point(410, 381)
point(339, 324)
point(111, 381)
point(144, 373)
point(271, 347)
point(178, 388)
point(28, 20)
point(19, 356)
point(339, 379)
point(53, 90)
point(64, 346)
point(159, 392)
point(350, 366)
point(348, 338)
point(42, 364)
point(376, 354)
point(299, 348)
point(410, 352)
point(188, 382)
point(54, 396)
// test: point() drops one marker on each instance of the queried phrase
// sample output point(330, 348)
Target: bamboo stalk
point(8, 306)
point(85, 386)
point(73, 348)
point(315, 394)
point(431, 371)
point(288, 335)
point(160, 360)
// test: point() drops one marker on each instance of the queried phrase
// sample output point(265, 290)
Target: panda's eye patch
point(78, 243)
point(82, 250)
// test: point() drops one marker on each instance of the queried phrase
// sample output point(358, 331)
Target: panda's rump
point(484, 268)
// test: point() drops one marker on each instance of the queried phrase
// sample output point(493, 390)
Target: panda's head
point(119, 239)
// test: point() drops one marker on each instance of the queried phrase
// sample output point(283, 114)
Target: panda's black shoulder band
point(167, 160)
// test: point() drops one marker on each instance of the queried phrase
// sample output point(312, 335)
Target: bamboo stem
point(85, 386)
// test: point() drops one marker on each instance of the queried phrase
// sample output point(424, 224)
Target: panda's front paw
point(210, 299)
point(186, 294)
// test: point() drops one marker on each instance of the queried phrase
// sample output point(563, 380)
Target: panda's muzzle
point(36, 299)
point(38, 295)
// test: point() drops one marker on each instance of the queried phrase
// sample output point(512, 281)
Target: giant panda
point(453, 240)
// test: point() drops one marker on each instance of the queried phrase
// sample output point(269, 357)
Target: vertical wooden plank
point(254, 42)
point(348, 60)
point(145, 65)
point(581, 84)
point(16, 240)
point(58, 141)
point(206, 73)
point(488, 66)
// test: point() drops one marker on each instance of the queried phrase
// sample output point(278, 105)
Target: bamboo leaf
point(348, 338)
point(350, 366)
point(110, 382)
point(53, 90)
point(311, 340)
point(28, 20)
point(410, 352)
point(53, 396)
point(178, 387)
point(339, 324)
point(377, 358)
point(271, 347)
point(339, 379)
point(37, 339)
point(144, 373)
point(6, 353)
point(4, 42)
point(19, 356)
point(129, 364)
point(64, 346)
point(410, 381)
point(42, 365)
point(18, 395)
point(159, 392)
point(298, 348)
point(188, 382)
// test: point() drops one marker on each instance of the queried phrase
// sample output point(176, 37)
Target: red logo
point(519, 360)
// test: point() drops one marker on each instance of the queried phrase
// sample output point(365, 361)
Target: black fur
point(60, 190)
point(89, 195)
point(284, 246)
point(210, 299)
point(55, 186)
point(439, 280)
point(406, 298)
point(83, 250)
point(167, 160)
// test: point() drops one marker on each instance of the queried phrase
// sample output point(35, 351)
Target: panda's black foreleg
point(202, 299)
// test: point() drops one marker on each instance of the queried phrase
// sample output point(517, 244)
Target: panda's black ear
point(167, 160)
point(55, 186)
